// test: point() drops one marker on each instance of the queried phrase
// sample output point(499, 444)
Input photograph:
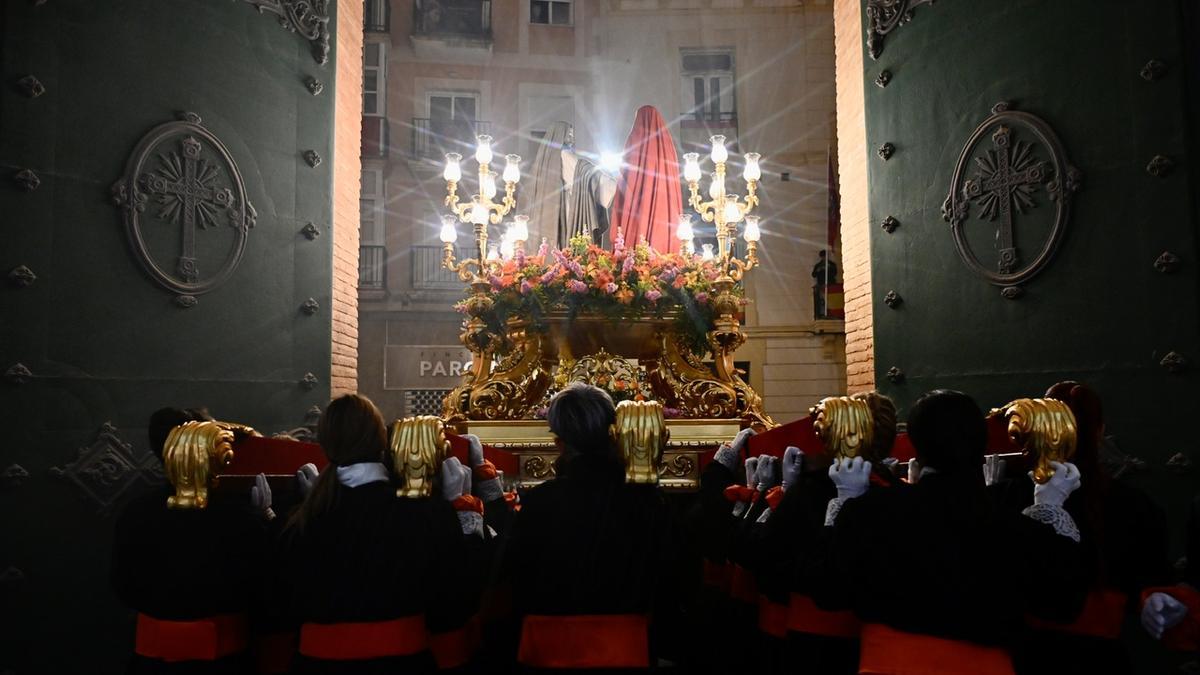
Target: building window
point(374, 78)
point(709, 84)
point(371, 208)
point(375, 15)
point(452, 119)
point(552, 12)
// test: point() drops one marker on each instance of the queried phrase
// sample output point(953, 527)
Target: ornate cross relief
point(193, 183)
point(1022, 155)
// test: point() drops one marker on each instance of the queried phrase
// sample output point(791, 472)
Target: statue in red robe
point(649, 196)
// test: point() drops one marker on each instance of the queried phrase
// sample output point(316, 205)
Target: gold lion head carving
point(1044, 429)
point(419, 445)
point(844, 425)
point(641, 433)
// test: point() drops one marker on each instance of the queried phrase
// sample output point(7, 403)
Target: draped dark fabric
point(584, 214)
point(649, 197)
point(546, 201)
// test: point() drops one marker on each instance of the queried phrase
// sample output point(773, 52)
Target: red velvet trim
point(364, 640)
point(805, 617)
point(887, 651)
point(275, 652)
point(455, 648)
point(468, 503)
point(741, 493)
point(595, 641)
point(1185, 636)
point(716, 575)
point(742, 585)
point(774, 496)
point(486, 471)
point(205, 639)
point(772, 617)
point(1102, 616)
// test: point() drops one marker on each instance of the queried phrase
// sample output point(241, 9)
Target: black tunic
point(186, 564)
point(376, 557)
point(941, 559)
point(587, 543)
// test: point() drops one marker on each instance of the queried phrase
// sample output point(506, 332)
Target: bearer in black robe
point(960, 574)
point(590, 556)
point(189, 561)
point(377, 575)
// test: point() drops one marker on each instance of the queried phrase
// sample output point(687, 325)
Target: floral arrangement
point(624, 283)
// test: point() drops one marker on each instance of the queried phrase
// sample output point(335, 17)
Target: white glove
point(1055, 491)
point(260, 497)
point(751, 470)
point(726, 456)
point(452, 479)
point(1161, 612)
point(488, 490)
point(764, 473)
point(793, 462)
point(466, 477)
point(306, 478)
point(914, 471)
point(739, 441)
point(475, 453)
point(851, 477)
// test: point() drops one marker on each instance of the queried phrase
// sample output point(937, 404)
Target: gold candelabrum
point(725, 211)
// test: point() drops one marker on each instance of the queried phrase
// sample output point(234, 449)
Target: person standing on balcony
point(824, 273)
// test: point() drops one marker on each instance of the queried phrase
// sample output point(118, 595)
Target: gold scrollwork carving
point(1044, 428)
point(678, 466)
point(193, 456)
point(538, 467)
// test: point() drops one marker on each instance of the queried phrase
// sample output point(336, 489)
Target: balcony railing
point(428, 272)
point(376, 15)
point(433, 138)
point(372, 268)
point(375, 137)
point(469, 19)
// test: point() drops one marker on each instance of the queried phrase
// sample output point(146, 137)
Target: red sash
point(205, 639)
point(805, 617)
point(594, 641)
point(742, 586)
point(716, 575)
point(455, 648)
point(887, 651)
point(772, 617)
point(364, 640)
point(1102, 616)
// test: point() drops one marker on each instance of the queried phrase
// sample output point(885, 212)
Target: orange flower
point(624, 296)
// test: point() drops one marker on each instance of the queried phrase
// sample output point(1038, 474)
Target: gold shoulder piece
point(641, 433)
point(192, 457)
point(1044, 428)
point(844, 425)
point(418, 447)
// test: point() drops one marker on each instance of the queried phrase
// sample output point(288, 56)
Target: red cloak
point(649, 197)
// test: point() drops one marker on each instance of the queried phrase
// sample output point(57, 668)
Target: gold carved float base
point(533, 444)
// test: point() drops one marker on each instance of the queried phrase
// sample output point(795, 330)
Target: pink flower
point(544, 248)
point(495, 281)
point(653, 295)
point(668, 275)
point(610, 288)
point(577, 286)
point(627, 266)
point(549, 275)
point(575, 268)
point(520, 257)
point(702, 297)
point(526, 287)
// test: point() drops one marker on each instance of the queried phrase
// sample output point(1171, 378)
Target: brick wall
point(852, 178)
point(347, 166)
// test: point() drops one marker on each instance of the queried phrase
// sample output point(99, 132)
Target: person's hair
point(949, 433)
point(883, 419)
point(163, 420)
point(351, 430)
point(580, 416)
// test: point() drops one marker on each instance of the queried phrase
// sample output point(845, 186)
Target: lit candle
point(719, 153)
point(753, 171)
point(733, 211)
point(716, 189)
point(479, 214)
point(684, 230)
point(483, 151)
point(506, 244)
point(691, 167)
point(520, 229)
point(708, 252)
point(752, 233)
point(487, 184)
point(512, 170)
point(449, 231)
point(453, 172)
point(493, 253)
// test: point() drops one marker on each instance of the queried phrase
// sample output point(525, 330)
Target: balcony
point(375, 137)
point(433, 138)
point(372, 268)
point(428, 274)
point(376, 16)
point(695, 130)
point(452, 29)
